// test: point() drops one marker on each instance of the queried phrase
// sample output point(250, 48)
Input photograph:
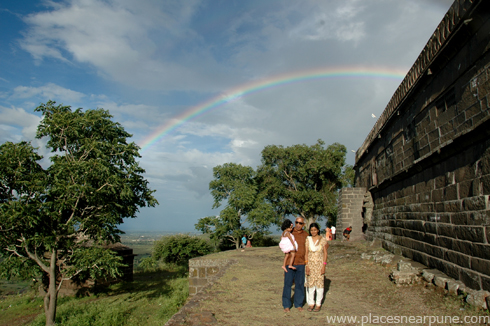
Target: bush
point(179, 248)
point(261, 240)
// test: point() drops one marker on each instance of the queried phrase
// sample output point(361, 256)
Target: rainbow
point(264, 84)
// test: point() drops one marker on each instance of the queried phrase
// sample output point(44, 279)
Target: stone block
point(403, 278)
point(451, 192)
point(465, 189)
point(478, 298)
point(465, 173)
point(470, 233)
point(198, 282)
point(453, 206)
point(481, 265)
point(458, 258)
point(440, 182)
point(192, 290)
point(470, 279)
point(485, 282)
point(429, 274)
point(475, 203)
point(193, 272)
point(465, 247)
point(485, 185)
point(453, 286)
point(201, 318)
point(447, 230)
point(460, 218)
point(438, 195)
point(441, 281)
point(473, 110)
point(202, 272)
point(210, 271)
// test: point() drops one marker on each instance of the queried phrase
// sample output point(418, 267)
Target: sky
point(203, 83)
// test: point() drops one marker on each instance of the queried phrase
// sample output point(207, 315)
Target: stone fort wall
point(426, 162)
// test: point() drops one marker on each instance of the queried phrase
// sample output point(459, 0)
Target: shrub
point(179, 248)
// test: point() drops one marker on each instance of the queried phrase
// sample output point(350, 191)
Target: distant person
point(244, 241)
point(316, 260)
point(288, 245)
point(297, 275)
point(249, 244)
point(334, 229)
point(347, 232)
point(328, 234)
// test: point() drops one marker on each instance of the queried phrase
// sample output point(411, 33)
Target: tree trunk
point(52, 293)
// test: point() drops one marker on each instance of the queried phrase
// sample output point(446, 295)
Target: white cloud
point(49, 91)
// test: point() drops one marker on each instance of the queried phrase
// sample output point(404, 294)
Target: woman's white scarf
point(314, 246)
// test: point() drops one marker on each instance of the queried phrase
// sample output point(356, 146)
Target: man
point(333, 228)
point(298, 275)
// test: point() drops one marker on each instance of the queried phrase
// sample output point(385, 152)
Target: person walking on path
point(297, 275)
point(333, 228)
point(288, 245)
point(316, 259)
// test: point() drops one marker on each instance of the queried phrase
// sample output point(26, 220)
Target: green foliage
point(262, 240)
point(53, 220)
point(151, 299)
point(179, 248)
point(302, 180)
point(148, 264)
point(246, 211)
point(348, 176)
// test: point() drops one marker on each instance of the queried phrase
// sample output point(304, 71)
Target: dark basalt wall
point(426, 162)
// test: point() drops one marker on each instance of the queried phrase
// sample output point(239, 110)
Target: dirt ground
point(250, 292)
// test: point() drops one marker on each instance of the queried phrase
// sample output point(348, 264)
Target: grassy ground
point(250, 291)
point(150, 300)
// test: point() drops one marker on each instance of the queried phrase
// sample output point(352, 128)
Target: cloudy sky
point(202, 83)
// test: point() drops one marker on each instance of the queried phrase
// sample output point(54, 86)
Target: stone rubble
point(409, 272)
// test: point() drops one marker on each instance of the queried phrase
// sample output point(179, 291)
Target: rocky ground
point(249, 293)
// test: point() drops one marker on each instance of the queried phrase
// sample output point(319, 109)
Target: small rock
point(428, 275)
point(453, 286)
point(478, 298)
point(441, 281)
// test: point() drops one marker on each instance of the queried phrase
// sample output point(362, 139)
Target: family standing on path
point(307, 262)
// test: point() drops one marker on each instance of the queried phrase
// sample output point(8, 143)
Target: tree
point(245, 212)
point(302, 180)
point(349, 176)
point(55, 220)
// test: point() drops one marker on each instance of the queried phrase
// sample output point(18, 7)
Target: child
point(288, 245)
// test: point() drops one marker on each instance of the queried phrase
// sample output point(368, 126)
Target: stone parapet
point(204, 271)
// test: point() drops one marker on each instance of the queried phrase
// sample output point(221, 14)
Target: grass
point(151, 299)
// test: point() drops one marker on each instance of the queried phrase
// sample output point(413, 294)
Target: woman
point(316, 259)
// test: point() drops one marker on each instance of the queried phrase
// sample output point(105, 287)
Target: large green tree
point(302, 180)
point(246, 212)
point(56, 220)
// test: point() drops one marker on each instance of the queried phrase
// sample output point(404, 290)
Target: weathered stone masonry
point(426, 162)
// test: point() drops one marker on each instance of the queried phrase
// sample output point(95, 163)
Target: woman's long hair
point(314, 224)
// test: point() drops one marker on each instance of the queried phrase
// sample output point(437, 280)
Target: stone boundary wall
point(426, 162)
point(350, 203)
point(203, 272)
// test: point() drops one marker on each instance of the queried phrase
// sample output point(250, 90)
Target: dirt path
point(249, 293)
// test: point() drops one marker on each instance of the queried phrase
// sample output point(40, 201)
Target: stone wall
point(204, 271)
point(351, 203)
point(426, 162)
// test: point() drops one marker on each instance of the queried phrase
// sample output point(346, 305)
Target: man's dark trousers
point(298, 276)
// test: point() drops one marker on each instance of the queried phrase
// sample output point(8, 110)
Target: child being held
point(288, 244)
